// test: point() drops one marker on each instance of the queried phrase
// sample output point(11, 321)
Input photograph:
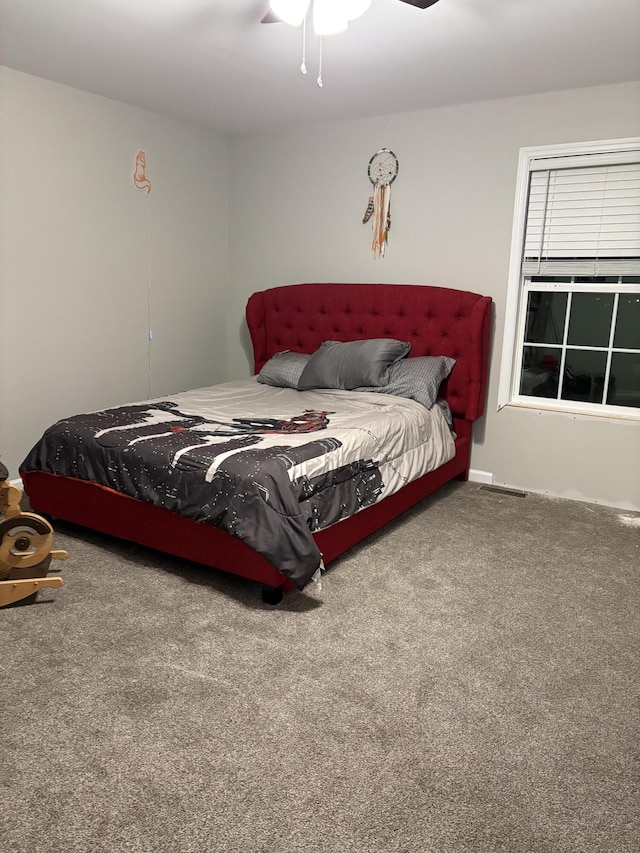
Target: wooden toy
point(25, 549)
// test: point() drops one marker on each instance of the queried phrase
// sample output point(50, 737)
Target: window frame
point(510, 367)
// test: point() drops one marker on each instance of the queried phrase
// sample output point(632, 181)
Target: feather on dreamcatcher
point(381, 218)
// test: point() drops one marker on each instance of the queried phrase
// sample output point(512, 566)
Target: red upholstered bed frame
point(437, 321)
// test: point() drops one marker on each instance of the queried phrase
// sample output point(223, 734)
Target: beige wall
point(82, 251)
point(296, 207)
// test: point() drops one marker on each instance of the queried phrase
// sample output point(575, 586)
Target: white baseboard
point(17, 483)
point(476, 476)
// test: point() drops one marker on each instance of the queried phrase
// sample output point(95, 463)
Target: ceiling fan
point(326, 17)
point(272, 17)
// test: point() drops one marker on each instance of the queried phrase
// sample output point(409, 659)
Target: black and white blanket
point(268, 465)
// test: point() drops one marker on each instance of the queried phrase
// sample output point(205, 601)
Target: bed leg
point(272, 594)
point(464, 476)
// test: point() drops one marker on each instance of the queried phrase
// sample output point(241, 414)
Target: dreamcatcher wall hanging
point(383, 170)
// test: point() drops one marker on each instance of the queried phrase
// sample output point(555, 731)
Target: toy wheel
point(24, 542)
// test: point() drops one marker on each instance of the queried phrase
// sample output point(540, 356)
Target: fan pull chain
point(319, 80)
point(303, 67)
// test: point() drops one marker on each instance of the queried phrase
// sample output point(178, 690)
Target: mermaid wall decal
point(140, 179)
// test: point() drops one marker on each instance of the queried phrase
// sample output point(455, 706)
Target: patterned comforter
point(268, 465)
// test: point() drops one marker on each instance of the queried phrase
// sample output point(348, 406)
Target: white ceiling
point(214, 63)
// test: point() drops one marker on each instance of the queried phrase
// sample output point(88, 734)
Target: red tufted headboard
point(437, 321)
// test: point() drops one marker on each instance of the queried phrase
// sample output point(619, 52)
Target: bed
point(300, 319)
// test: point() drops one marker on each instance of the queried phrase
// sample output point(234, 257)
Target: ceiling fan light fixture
point(290, 11)
point(329, 17)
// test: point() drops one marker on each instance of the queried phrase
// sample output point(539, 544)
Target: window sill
point(613, 414)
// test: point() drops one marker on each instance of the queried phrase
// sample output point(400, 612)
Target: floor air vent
point(513, 493)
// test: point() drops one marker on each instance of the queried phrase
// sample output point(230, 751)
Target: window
point(572, 331)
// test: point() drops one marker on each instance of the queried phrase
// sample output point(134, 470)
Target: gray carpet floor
point(466, 681)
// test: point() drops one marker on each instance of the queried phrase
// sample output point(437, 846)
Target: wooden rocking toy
point(25, 549)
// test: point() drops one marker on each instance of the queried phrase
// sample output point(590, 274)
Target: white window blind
point(583, 220)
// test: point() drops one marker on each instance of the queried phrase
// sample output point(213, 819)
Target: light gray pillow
point(346, 365)
point(416, 378)
point(284, 369)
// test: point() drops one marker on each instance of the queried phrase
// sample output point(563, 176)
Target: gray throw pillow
point(284, 369)
point(347, 365)
point(416, 378)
